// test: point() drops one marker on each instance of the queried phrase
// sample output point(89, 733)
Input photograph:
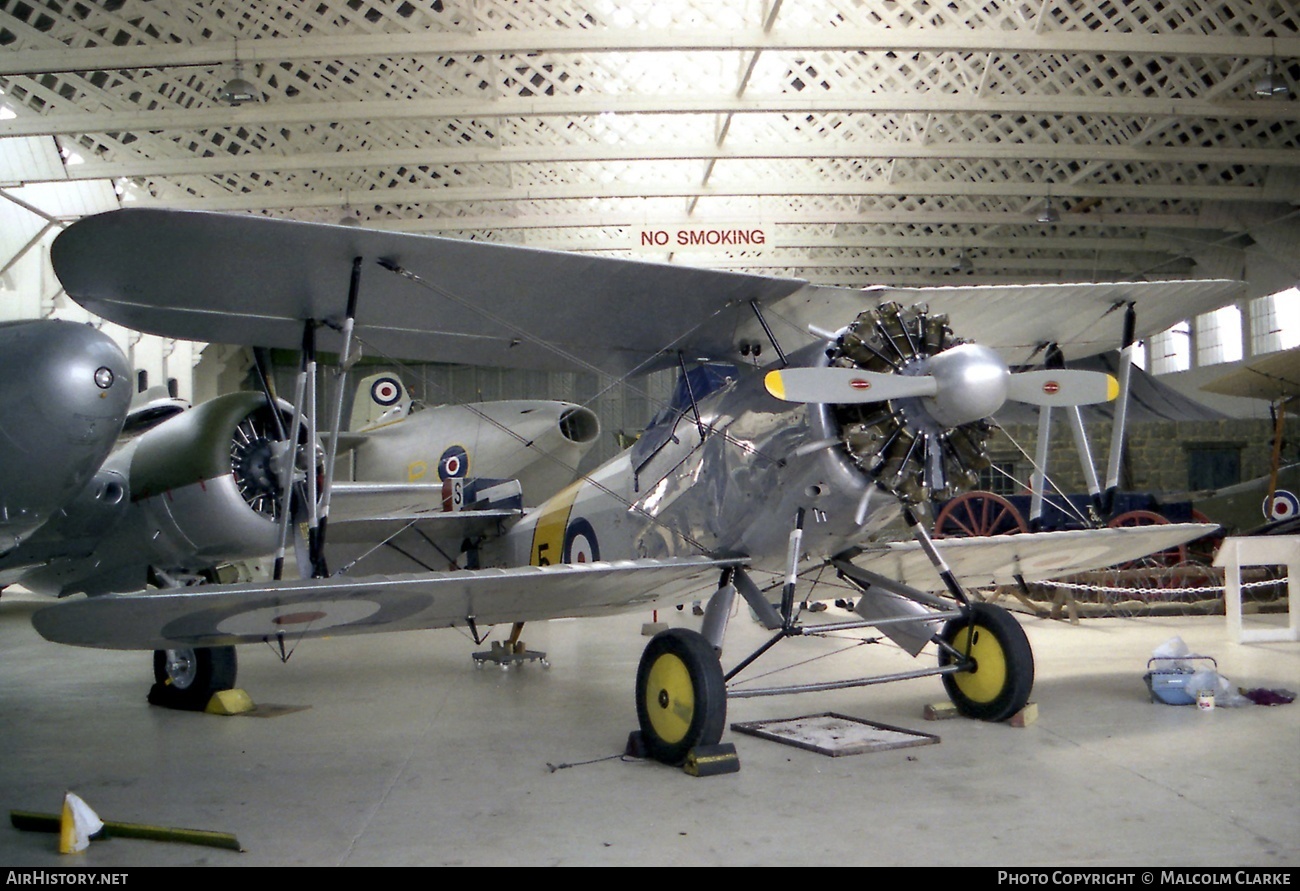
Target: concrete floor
point(404, 754)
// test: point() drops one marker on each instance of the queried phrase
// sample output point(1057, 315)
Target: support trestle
point(511, 651)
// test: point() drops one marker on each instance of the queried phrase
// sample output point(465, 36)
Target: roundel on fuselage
point(454, 463)
point(1282, 506)
point(386, 391)
point(580, 545)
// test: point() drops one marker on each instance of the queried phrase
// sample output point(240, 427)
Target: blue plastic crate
point(1169, 684)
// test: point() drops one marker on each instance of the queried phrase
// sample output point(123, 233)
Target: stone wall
point(1158, 453)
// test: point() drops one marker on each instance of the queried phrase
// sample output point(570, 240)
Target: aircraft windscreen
point(700, 382)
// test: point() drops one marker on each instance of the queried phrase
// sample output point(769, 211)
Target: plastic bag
point(1174, 648)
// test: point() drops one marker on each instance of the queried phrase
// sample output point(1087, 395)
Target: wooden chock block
point(940, 711)
point(1026, 716)
point(708, 761)
point(229, 702)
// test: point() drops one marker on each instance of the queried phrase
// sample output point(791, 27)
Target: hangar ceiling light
point(1272, 85)
point(237, 91)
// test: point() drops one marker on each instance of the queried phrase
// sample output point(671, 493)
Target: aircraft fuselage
point(735, 491)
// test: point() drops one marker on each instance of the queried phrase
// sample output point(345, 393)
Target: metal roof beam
point(682, 150)
point(593, 40)
point(133, 120)
point(806, 216)
point(1086, 265)
point(524, 192)
point(778, 241)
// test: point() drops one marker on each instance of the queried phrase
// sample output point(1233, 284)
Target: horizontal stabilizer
point(347, 441)
point(388, 501)
point(219, 615)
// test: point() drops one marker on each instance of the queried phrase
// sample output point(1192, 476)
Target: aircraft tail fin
point(381, 399)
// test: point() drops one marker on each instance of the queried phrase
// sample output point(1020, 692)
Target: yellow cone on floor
point(76, 825)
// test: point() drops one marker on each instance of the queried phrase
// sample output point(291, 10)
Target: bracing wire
point(1065, 503)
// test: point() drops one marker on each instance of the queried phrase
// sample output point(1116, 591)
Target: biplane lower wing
point(249, 613)
point(1034, 557)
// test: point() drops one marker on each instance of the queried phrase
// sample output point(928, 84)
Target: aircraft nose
point(78, 374)
point(65, 389)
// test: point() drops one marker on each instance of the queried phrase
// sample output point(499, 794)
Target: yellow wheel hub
point(670, 698)
point(987, 681)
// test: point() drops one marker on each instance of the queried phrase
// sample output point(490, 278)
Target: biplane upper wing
point(999, 559)
point(248, 613)
point(1082, 318)
point(1273, 377)
point(254, 280)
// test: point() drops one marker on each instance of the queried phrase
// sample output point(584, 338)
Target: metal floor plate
point(833, 734)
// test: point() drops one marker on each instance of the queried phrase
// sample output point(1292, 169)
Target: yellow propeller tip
point(775, 386)
point(1112, 387)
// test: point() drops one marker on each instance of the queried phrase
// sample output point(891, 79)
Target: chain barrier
point(1202, 589)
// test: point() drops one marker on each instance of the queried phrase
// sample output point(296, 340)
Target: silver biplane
point(807, 420)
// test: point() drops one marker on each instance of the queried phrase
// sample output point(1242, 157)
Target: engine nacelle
point(198, 490)
point(206, 483)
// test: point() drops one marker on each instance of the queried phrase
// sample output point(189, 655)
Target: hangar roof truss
point(869, 140)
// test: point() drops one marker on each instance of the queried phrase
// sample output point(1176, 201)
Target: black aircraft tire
point(681, 697)
point(1003, 677)
point(186, 678)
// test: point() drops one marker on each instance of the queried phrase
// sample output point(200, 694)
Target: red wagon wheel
point(977, 514)
point(1206, 547)
point(1170, 557)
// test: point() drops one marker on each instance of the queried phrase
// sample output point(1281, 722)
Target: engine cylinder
point(922, 447)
